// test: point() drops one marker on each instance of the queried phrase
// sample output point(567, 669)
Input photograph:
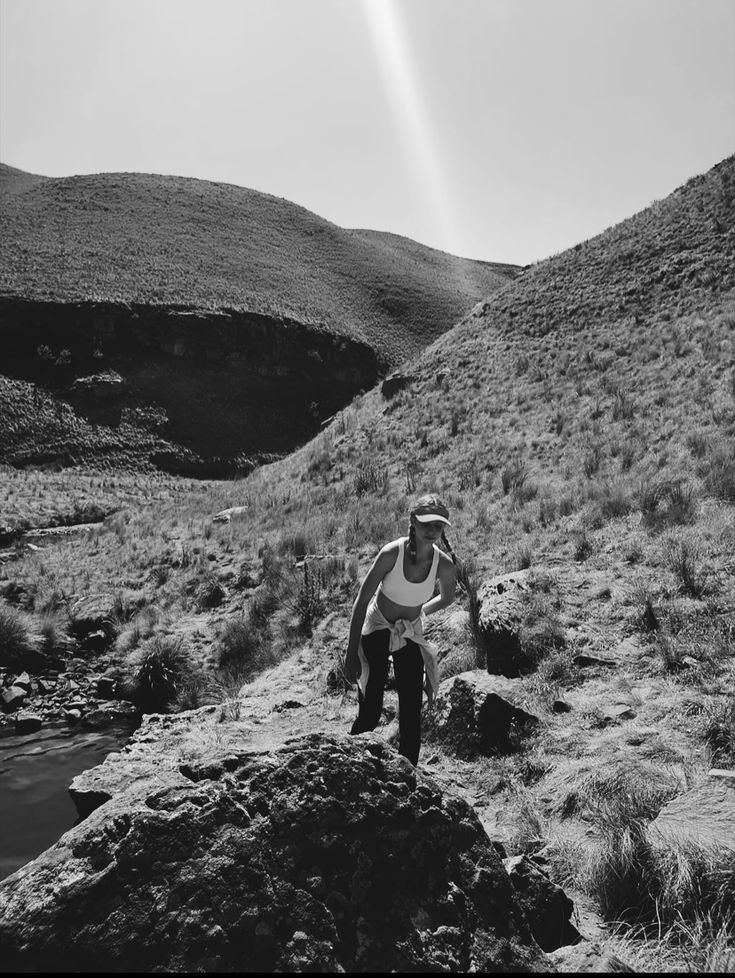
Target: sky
point(504, 130)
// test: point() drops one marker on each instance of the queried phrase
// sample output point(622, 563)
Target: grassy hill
point(581, 425)
point(165, 240)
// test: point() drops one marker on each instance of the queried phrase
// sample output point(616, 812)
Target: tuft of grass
point(670, 503)
point(684, 559)
point(244, 647)
point(718, 731)
point(15, 639)
point(209, 593)
point(161, 668)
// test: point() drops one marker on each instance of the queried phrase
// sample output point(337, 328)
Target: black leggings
point(408, 666)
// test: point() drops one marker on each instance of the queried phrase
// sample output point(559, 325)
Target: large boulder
point(322, 854)
point(476, 713)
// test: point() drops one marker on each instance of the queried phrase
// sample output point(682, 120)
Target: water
point(35, 773)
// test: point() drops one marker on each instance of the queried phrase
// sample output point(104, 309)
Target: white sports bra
point(397, 589)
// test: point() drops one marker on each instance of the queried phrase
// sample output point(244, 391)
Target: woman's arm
point(447, 576)
point(382, 565)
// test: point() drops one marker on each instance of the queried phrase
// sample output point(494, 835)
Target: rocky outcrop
point(221, 384)
point(321, 854)
point(476, 714)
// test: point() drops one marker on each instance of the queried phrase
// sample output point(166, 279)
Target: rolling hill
point(211, 322)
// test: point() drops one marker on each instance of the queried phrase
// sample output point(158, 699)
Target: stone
point(394, 383)
point(24, 681)
point(98, 719)
point(106, 687)
point(73, 716)
point(703, 817)
point(560, 706)
point(13, 698)
point(547, 907)
point(323, 853)
point(588, 957)
point(501, 602)
point(96, 641)
point(93, 613)
point(27, 723)
point(476, 713)
point(618, 712)
point(582, 660)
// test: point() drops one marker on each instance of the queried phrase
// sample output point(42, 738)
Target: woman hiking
point(396, 593)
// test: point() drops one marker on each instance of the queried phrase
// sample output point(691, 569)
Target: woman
point(386, 620)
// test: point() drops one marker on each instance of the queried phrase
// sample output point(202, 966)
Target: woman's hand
point(351, 667)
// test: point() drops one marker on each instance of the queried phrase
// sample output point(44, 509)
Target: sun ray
point(400, 76)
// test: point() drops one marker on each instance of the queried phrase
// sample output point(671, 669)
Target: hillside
point(203, 325)
point(161, 240)
point(580, 425)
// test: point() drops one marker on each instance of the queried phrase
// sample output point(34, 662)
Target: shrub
point(468, 581)
point(667, 503)
point(718, 731)
point(244, 648)
point(684, 560)
point(308, 602)
point(513, 477)
point(371, 477)
point(592, 459)
point(161, 667)
point(209, 593)
point(15, 639)
point(720, 479)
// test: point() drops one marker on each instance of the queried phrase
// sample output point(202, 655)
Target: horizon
point(496, 131)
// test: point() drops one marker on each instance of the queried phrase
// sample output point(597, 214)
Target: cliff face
point(211, 383)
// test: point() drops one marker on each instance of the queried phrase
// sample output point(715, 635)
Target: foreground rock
point(477, 713)
point(325, 853)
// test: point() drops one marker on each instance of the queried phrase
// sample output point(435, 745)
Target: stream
point(35, 773)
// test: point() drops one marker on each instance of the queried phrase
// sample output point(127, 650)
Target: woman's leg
point(408, 666)
point(375, 649)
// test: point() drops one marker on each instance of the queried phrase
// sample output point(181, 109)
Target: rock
point(588, 957)
point(27, 723)
point(547, 907)
point(703, 817)
point(618, 712)
point(77, 705)
point(93, 613)
point(477, 713)
point(96, 641)
point(560, 706)
point(322, 854)
point(106, 687)
point(98, 719)
point(13, 698)
point(73, 716)
point(24, 681)
point(583, 660)
point(394, 383)
point(107, 385)
point(501, 603)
